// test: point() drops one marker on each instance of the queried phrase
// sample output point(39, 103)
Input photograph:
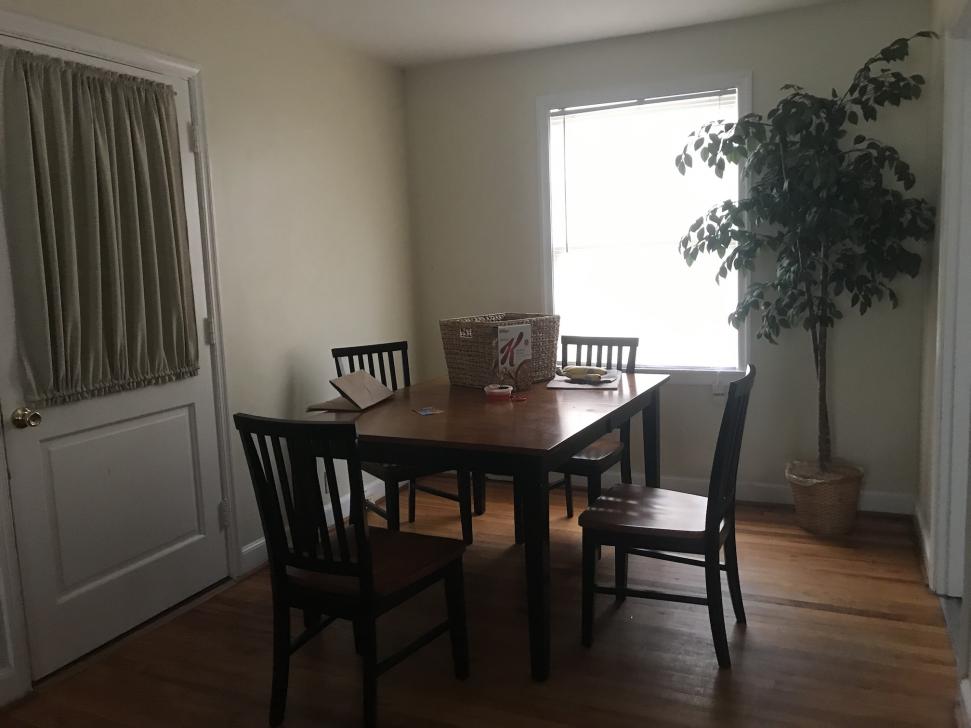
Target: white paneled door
point(115, 499)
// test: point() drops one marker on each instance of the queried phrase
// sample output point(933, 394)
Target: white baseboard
point(754, 492)
point(963, 709)
point(253, 555)
point(924, 539)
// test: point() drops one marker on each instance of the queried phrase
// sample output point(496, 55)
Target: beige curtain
point(93, 206)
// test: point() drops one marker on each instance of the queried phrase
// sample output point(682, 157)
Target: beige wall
point(307, 156)
point(944, 13)
point(474, 187)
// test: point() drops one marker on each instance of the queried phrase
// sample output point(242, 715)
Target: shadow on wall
point(307, 380)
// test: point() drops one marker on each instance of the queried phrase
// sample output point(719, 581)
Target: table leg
point(465, 504)
point(531, 484)
point(391, 505)
point(652, 439)
point(479, 492)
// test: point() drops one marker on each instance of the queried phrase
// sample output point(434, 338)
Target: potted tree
point(830, 204)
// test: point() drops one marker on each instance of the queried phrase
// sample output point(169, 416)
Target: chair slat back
point(378, 360)
point(286, 459)
point(724, 469)
point(599, 351)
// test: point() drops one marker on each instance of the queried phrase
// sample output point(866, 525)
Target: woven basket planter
point(471, 343)
point(826, 503)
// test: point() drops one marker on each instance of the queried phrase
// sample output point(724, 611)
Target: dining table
point(526, 439)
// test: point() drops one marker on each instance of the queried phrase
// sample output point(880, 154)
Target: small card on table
point(425, 411)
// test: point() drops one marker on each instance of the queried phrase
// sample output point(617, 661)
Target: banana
point(586, 374)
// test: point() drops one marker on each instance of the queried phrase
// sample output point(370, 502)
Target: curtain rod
point(571, 110)
point(62, 48)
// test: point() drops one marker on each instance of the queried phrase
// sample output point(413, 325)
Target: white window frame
point(742, 81)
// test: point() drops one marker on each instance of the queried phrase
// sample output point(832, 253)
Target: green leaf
point(828, 219)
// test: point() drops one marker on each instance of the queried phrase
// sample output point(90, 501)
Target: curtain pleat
point(94, 209)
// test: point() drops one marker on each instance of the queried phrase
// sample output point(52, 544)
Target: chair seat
point(645, 511)
point(599, 456)
point(390, 471)
point(400, 560)
point(605, 447)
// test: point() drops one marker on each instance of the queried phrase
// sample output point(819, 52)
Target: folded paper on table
point(338, 404)
point(359, 389)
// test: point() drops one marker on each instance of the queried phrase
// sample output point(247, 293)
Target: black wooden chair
point(593, 461)
point(331, 570)
point(665, 524)
point(378, 360)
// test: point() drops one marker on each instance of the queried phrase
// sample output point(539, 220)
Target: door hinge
point(225, 513)
point(208, 333)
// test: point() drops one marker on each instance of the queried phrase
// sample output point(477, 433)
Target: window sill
point(698, 377)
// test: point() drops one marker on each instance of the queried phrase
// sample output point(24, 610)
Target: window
point(618, 208)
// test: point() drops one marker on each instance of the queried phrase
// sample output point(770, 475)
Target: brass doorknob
point(25, 417)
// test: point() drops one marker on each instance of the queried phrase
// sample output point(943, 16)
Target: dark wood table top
point(546, 421)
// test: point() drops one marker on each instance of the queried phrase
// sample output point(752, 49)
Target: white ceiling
point(408, 32)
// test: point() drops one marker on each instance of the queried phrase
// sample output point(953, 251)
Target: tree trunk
point(824, 443)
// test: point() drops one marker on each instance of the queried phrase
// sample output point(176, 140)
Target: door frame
point(15, 678)
point(944, 537)
point(956, 353)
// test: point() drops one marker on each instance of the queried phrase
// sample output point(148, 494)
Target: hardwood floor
point(839, 634)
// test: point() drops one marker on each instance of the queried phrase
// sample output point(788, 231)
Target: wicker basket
point(826, 503)
point(471, 342)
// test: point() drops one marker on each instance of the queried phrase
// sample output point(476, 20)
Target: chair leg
point(593, 492)
point(625, 469)
point(311, 617)
point(589, 579)
point(281, 662)
point(620, 573)
point(458, 631)
point(713, 586)
point(369, 655)
point(568, 490)
point(734, 585)
point(391, 505)
point(593, 488)
point(358, 637)
point(479, 493)
point(465, 504)
point(517, 514)
point(412, 492)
